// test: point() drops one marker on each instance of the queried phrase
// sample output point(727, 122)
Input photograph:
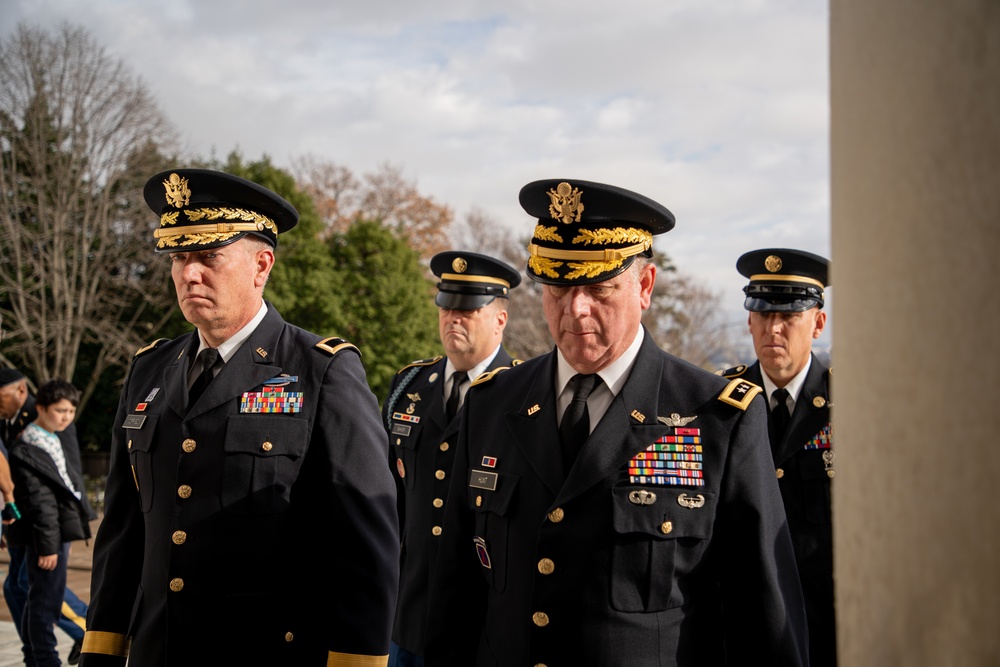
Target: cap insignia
point(565, 203)
point(772, 263)
point(178, 194)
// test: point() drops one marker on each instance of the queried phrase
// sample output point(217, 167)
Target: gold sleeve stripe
point(106, 643)
point(355, 660)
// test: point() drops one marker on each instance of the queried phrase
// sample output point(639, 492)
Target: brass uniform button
point(179, 537)
point(184, 491)
point(130, 444)
point(267, 446)
point(289, 636)
point(436, 531)
point(438, 503)
point(666, 527)
point(540, 618)
point(479, 501)
point(780, 473)
point(556, 515)
point(439, 474)
point(189, 445)
point(443, 446)
point(540, 664)
point(546, 566)
point(177, 585)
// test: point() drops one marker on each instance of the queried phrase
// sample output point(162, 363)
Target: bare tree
point(383, 196)
point(78, 136)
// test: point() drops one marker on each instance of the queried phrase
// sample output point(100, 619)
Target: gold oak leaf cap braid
point(783, 280)
point(588, 232)
point(201, 209)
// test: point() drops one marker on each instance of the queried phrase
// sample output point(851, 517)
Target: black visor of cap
point(781, 298)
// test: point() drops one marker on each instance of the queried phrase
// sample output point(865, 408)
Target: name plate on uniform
point(401, 429)
point(134, 421)
point(483, 479)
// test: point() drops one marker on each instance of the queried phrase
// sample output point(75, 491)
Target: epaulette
point(739, 393)
point(733, 372)
point(488, 375)
point(421, 362)
point(147, 348)
point(333, 345)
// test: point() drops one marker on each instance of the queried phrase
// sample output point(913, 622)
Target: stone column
point(915, 178)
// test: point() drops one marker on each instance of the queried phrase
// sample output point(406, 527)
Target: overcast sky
point(717, 109)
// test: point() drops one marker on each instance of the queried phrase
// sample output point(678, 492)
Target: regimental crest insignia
point(178, 194)
point(565, 203)
point(772, 263)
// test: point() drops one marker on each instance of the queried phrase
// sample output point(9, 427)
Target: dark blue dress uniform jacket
point(535, 569)
point(421, 454)
point(804, 458)
point(233, 538)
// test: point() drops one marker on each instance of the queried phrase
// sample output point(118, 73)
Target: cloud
point(719, 110)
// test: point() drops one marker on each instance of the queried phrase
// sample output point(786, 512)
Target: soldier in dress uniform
point(785, 299)
point(421, 415)
point(611, 504)
point(250, 517)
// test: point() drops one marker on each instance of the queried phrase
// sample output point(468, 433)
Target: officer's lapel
point(175, 376)
point(627, 428)
point(535, 427)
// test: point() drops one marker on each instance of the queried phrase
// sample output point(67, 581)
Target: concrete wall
point(915, 177)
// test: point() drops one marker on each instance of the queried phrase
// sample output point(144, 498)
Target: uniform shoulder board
point(739, 393)
point(146, 348)
point(333, 345)
point(421, 362)
point(488, 375)
point(733, 372)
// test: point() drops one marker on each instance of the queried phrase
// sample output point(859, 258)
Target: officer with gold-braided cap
point(250, 518)
point(598, 501)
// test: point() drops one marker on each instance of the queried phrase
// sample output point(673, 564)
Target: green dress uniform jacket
point(805, 466)
point(237, 537)
point(421, 455)
point(599, 568)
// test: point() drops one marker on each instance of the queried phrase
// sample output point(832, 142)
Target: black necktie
point(574, 428)
point(779, 417)
point(208, 357)
point(457, 378)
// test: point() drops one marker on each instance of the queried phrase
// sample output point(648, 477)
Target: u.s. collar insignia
point(676, 420)
point(638, 416)
point(533, 409)
point(413, 397)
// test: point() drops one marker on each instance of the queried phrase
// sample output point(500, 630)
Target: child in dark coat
point(49, 494)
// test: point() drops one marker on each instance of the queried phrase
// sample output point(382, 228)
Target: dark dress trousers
point(421, 454)
point(804, 467)
point(234, 536)
point(600, 569)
